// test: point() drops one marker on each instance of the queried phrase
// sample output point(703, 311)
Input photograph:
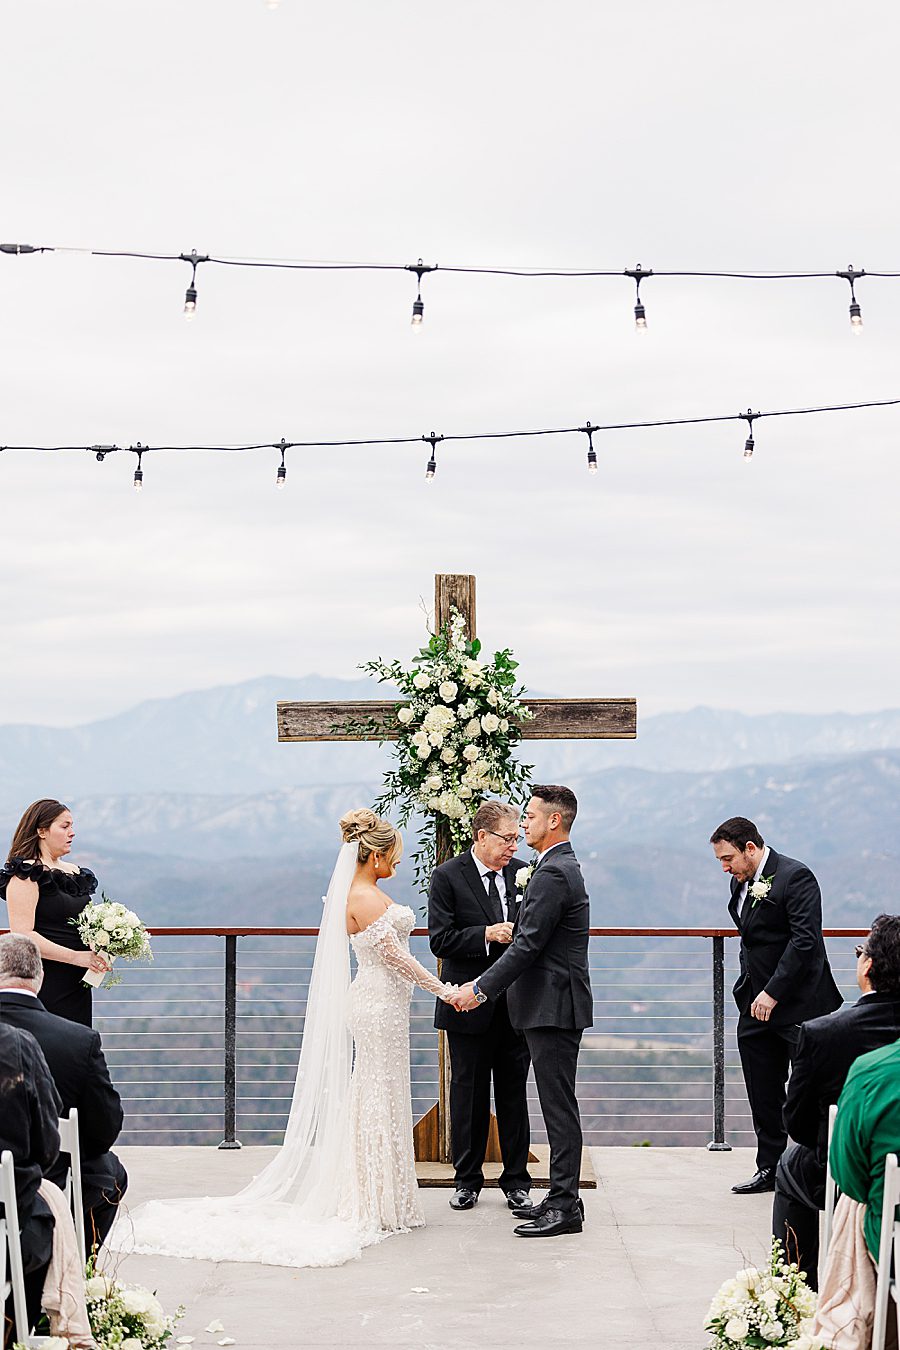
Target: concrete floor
point(662, 1231)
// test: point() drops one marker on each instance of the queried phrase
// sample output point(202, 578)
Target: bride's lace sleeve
point(383, 938)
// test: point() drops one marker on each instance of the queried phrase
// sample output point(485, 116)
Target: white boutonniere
point(760, 890)
point(523, 876)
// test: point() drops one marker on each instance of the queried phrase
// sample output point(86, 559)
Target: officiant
point(472, 907)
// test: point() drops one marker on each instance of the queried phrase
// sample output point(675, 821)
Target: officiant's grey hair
point(20, 959)
point(490, 814)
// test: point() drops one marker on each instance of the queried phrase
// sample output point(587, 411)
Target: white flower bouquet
point(456, 728)
point(126, 1316)
point(761, 1308)
point(114, 931)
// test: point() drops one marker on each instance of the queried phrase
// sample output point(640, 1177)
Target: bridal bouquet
point(455, 731)
point(114, 931)
point(126, 1316)
point(761, 1308)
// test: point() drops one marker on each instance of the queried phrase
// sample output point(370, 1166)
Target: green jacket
point(867, 1128)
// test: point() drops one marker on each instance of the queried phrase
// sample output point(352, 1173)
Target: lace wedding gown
point(345, 1176)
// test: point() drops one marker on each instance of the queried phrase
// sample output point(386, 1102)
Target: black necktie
point(494, 898)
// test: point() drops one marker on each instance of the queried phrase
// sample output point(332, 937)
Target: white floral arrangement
point(457, 724)
point(115, 932)
point(524, 875)
point(126, 1316)
point(760, 889)
point(761, 1308)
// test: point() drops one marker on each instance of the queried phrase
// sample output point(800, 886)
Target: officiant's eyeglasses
point(861, 950)
point(507, 838)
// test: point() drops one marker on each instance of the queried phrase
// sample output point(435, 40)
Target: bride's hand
point(449, 991)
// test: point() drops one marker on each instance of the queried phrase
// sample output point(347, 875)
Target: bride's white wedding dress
point(345, 1176)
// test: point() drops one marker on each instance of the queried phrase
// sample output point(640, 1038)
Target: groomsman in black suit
point(545, 970)
point(825, 1054)
point(784, 980)
point(75, 1059)
point(472, 907)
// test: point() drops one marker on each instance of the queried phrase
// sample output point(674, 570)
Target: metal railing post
point(718, 1144)
point(230, 1065)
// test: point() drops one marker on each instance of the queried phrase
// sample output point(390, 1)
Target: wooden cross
point(555, 719)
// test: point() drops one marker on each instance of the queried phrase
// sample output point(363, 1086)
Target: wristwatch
point(479, 996)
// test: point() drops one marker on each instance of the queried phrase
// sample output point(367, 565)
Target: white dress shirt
point(742, 898)
point(484, 872)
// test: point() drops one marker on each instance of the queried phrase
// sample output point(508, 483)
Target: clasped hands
point(463, 1000)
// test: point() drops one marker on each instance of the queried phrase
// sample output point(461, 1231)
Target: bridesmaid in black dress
point(42, 894)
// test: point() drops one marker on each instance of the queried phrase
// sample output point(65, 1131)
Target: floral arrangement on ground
point(456, 729)
point(762, 1308)
point(126, 1316)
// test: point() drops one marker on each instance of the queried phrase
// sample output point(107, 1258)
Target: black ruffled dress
point(61, 897)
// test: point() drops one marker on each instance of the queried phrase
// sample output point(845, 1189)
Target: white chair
point(886, 1288)
point(68, 1143)
point(9, 1227)
point(831, 1198)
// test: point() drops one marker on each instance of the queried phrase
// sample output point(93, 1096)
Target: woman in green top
point(867, 1128)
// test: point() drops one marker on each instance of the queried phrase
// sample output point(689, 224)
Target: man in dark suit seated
point(473, 904)
point(29, 1110)
point(826, 1051)
point(76, 1061)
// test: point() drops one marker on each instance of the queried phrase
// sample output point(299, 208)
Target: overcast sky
point(572, 134)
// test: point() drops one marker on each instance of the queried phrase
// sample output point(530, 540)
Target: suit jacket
point(75, 1060)
point(29, 1112)
point(782, 948)
point(826, 1051)
point(458, 913)
point(545, 967)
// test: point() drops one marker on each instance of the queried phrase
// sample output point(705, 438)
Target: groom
point(545, 969)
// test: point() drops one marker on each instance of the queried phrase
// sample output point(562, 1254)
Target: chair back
point(831, 1198)
point(69, 1143)
point(9, 1225)
point(886, 1288)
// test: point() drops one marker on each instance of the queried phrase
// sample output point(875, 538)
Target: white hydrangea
point(451, 806)
point(439, 718)
point(140, 1302)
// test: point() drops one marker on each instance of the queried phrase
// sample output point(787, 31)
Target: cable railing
point(203, 1043)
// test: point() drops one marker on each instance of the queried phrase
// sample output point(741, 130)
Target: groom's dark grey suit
point(545, 969)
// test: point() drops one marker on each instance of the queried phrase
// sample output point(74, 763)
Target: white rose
point(405, 715)
point(471, 752)
point(490, 722)
point(772, 1331)
point(472, 666)
point(472, 729)
point(448, 691)
point(493, 697)
point(434, 783)
point(423, 751)
point(736, 1328)
point(504, 724)
point(464, 792)
point(131, 1343)
point(466, 709)
point(419, 738)
point(770, 1298)
point(421, 680)
point(436, 739)
point(434, 803)
point(448, 754)
point(137, 1302)
point(108, 926)
point(523, 876)
point(97, 1287)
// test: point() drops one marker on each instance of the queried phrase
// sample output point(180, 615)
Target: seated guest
point(29, 1110)
point(75, 1059)
point(827, 1048)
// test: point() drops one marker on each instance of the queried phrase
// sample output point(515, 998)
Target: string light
point(640, 314)
point(281, 476)
point(431, 468)
point(190, 295)
point(139, 472)
point(592, 453)
point(749, 446)
point(856, 323)
point(418, 309)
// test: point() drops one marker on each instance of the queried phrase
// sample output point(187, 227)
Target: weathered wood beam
point(555, 719)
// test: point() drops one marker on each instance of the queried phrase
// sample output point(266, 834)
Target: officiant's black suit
point(825, 1054)
point(482, 1044)
point(783, 955)
point(545, 973)
point(75, 1058)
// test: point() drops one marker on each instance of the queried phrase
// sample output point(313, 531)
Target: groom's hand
point(464, 1000)
point(762, 1006)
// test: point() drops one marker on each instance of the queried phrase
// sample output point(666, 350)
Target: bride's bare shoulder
point(365, 904)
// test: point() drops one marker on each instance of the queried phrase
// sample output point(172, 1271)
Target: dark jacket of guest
point(75, 1059)
point(782, 948)
point(29, 1115)
point(826, 1051)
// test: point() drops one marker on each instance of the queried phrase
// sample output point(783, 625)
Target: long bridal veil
point(288, 1214)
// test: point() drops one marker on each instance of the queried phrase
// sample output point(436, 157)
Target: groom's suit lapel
point(560, 850)
point(743, 921)
point(769, 870)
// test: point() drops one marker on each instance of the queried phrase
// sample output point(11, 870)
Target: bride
point(345, 1175)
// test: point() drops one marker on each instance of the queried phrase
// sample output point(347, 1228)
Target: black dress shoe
point(552, 1223)
point(763, 1180)
point(463, 1198)
point(533, 1211)
point(519, 1200)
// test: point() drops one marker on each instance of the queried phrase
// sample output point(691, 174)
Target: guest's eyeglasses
point(861, 950)
point(507, 838)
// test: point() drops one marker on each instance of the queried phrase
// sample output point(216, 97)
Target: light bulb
point(748, 447)
point(139, 480)
point(432, 467)
point(190, 301)
point(592, 460)
point(640, 318)
point(280, 476)
point(856, 322)
point(418, 312)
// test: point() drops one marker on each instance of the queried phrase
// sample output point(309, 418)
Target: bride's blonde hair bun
point(370, 833)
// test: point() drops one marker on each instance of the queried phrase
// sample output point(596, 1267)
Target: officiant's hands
point(498, 932)
point(464, 999)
